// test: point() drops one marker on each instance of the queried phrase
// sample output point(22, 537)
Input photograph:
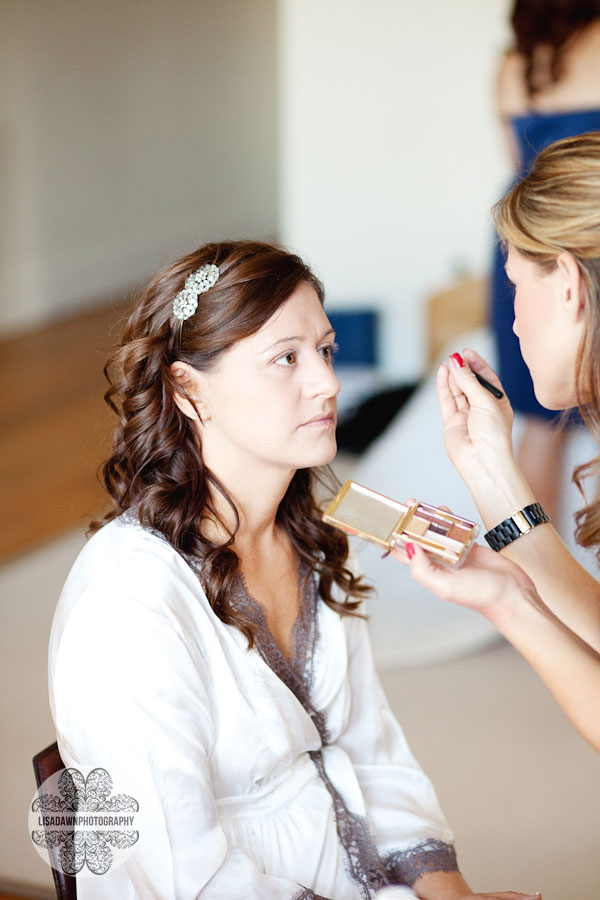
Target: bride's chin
point(329, 457)
point(320, 459)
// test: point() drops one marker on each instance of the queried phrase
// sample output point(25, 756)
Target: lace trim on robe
point(406, 866)
point(307, 894)
point(364, 864)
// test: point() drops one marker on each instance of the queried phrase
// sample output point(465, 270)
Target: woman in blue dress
point(548, 89)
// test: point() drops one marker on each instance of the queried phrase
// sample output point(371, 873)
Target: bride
point(209, 648)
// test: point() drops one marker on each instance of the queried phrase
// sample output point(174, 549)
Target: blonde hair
point(556, 209)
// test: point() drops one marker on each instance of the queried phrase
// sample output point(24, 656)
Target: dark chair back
point(45, 764)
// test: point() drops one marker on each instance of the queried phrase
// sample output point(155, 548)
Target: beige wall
point(390, 151)
point(129, 133)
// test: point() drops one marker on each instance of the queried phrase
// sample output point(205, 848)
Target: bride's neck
point(256, 501)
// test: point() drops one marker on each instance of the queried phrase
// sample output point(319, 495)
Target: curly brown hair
point(556, 209)
point(156, 469)
point(542, 29)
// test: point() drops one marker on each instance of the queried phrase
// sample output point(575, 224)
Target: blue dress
point(533, 132)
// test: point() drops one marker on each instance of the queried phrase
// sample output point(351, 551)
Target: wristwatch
point(519, 523)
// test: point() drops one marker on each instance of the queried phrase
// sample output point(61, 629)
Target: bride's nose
point(321, 380)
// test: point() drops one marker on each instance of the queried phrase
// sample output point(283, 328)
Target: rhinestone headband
point(199, 282)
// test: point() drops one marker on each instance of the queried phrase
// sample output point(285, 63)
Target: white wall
point(130, 132)
point(390, 155)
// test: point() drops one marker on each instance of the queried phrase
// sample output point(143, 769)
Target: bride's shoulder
point(130, 562)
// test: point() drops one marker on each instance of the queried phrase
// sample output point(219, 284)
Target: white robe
point(148, 683)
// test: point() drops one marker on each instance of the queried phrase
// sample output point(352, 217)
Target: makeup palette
point(364, 513)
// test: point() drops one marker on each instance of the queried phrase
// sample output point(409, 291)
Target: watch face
point(519, 523)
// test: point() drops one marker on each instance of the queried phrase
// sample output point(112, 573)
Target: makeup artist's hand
point(477, 425)
point(486, 582)
point(504, 895)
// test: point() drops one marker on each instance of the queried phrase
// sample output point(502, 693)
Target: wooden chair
point(45, 764)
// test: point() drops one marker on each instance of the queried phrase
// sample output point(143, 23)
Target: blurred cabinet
point(454, 310)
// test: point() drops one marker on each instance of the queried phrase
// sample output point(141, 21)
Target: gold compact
point(359, 511)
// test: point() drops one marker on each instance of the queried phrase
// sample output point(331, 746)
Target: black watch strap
point(519, 523)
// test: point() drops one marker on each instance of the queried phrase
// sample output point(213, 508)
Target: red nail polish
point(410, 550)
point(457, 360)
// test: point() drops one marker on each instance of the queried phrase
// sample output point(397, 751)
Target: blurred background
point(364, 136)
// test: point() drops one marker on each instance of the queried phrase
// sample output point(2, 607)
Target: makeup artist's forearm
point(565, 663)
point(566, 587)
point(498, 487)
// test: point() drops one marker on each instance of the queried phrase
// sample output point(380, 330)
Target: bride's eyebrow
point(296, 337)
point(285, 340)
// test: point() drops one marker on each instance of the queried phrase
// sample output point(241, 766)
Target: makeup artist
point(526, 581)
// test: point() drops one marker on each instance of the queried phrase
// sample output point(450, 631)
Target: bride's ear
point(573, 297)
point(187, 395)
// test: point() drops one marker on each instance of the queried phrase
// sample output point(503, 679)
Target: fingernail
point(457, 360)
point(410, 550)
point(387, 553)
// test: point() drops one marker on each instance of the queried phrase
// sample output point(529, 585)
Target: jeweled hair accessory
point(199, 282)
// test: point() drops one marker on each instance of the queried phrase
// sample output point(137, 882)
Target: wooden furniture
point(453, 310)
point(46, 763)
point(55, 428)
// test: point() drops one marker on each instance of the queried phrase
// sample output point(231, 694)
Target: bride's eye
point(329, 351)
point(288, 359)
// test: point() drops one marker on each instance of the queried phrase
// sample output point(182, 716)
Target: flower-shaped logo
point(83, 826)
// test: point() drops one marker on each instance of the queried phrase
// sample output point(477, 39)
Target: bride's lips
point(323, 420)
